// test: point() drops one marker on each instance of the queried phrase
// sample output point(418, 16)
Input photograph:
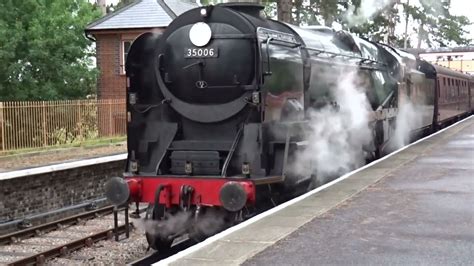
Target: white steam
point(366, 11)
point(208, 223)
point(338, 135)
point(408, 119)
point(172, 225)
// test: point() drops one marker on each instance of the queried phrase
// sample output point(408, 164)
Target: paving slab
point(418, 214)
point(415, 207)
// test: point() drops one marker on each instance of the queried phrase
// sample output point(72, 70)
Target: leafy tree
point(43, 50)
point(122, 3)
point(376, 19)
point(436, 25)
point(327, 11)
point(379, 26)
point(284, 10)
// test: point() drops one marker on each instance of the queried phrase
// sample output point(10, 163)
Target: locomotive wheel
point(156, 241)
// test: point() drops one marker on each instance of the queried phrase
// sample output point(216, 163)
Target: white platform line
point(61, 166)
point(286, 204)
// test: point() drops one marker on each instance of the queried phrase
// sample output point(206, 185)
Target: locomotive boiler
point(216, 110)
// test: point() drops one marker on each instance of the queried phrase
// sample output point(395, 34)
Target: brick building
point(115, 32)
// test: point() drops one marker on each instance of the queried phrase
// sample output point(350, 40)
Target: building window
point(124, 47)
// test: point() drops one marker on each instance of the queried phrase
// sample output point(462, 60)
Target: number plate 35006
point(201, 52)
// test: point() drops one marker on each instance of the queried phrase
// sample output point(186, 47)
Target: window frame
point(123, 54)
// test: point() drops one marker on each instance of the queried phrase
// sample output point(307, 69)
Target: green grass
point(84, 144)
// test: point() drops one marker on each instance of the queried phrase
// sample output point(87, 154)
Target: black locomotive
point(217, 104)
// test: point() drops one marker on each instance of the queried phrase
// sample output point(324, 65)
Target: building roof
point(142, 14)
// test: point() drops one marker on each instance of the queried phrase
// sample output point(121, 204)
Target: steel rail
point(62, 250)
point(47, 227)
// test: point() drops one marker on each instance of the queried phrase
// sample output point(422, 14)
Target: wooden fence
point(47, 123)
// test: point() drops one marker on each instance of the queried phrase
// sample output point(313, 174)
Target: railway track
point(47, 227)
point(157, 256)
point(38, 244)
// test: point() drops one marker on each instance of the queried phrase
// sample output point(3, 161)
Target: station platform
point(415, 206)
point(51, 156)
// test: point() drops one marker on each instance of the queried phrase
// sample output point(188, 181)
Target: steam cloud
point(408, 119)
point(366, 11)
point(207, 224)
point(338, 135)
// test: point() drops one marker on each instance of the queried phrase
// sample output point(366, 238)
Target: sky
point(465, 8)
point(458, 7)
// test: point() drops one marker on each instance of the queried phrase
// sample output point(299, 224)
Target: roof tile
point(142, 14)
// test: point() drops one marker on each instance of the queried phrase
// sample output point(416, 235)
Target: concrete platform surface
point(415, 207)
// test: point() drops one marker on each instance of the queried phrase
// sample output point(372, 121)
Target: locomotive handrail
point(283, 42)
point(268, 72)
point(265, 34)
point(366, 66)
point(231, 152)
point(362, 59)
point(385, 102)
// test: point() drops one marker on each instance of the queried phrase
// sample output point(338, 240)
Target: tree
point(377, 25)
point(44, 52)
point(122, 3)
point(376, 19)
point(436, 25)
point(284, 8)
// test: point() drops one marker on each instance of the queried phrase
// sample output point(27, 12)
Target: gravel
point(108, 252)
point(104, 252)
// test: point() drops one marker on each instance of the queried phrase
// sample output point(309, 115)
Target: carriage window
point(444, 81)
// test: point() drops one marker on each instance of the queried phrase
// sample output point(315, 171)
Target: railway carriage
point(454, 95)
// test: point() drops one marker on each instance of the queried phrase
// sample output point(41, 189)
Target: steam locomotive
point(217, 109)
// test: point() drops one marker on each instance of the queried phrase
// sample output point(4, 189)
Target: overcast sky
point(458, 7)
point(465, 8)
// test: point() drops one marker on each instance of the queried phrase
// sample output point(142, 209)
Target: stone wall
point(22, 197)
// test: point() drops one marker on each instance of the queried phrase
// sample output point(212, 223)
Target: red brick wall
point(111, 82)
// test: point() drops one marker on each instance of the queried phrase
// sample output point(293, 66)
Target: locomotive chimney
point(251, 7)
